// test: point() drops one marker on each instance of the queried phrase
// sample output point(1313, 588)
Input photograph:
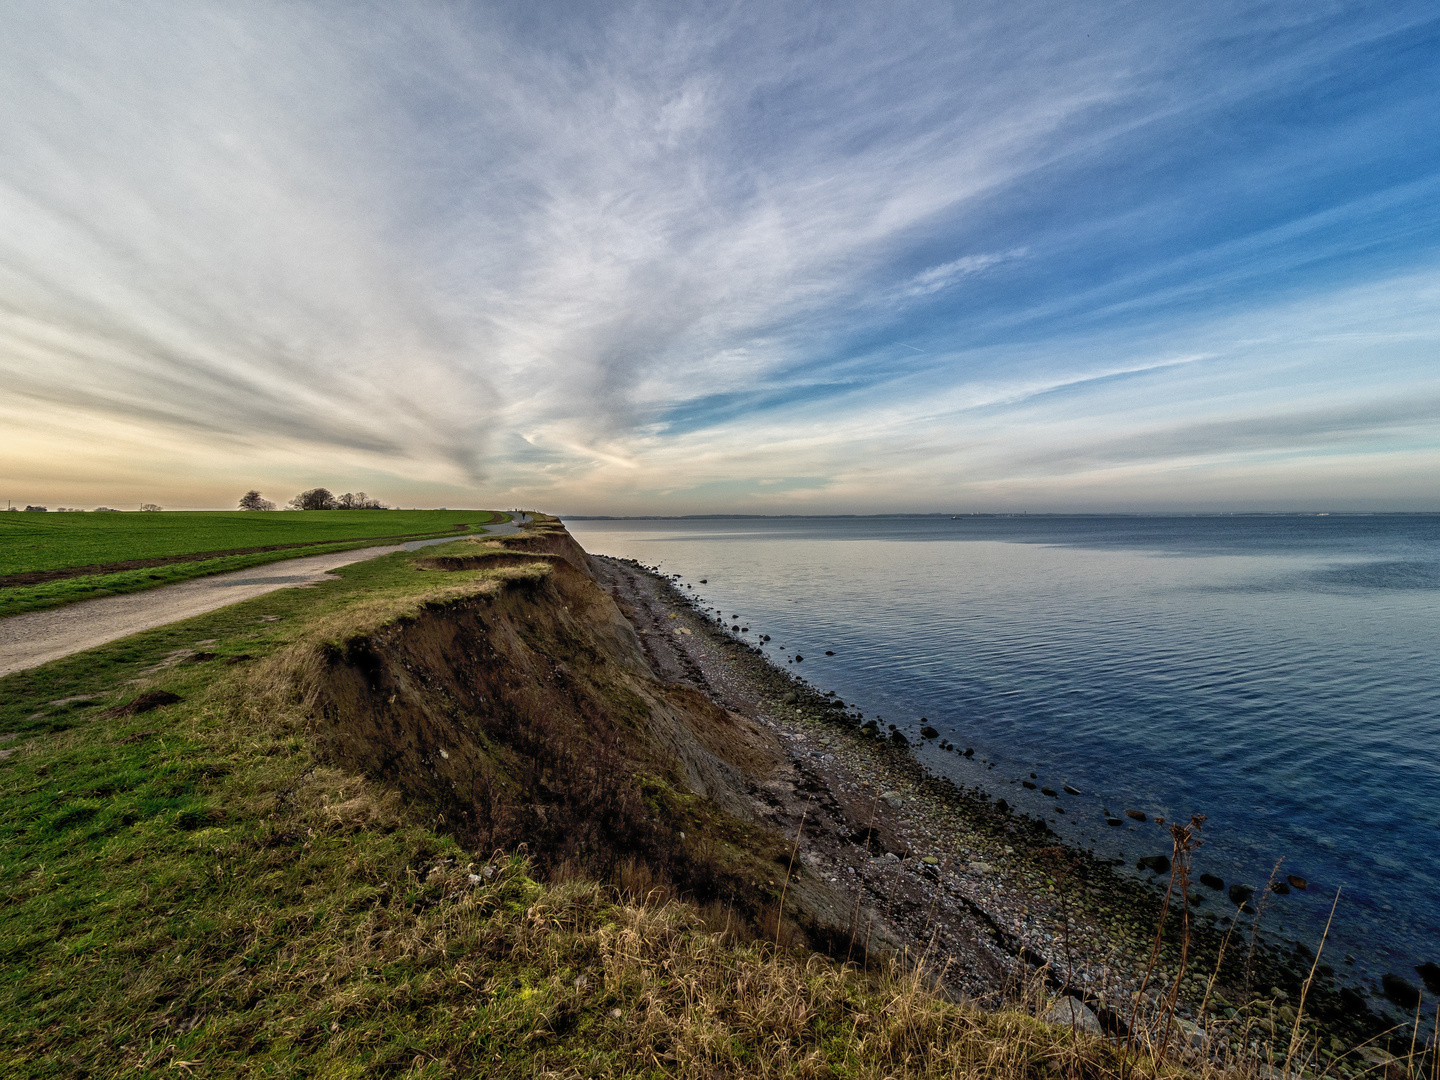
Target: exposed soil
point(153, 699)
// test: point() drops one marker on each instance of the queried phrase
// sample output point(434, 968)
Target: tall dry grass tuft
point(1305, 990)
point(1183, 842)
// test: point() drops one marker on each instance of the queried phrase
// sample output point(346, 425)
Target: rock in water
point(1071, 790)
point(1399, 991)
point(1069, 1012)
point(1210, 881)
point(1429, 973)
point(1298, 883)
point(1135, 815)
point(1239, 894)
point(1049, 791)
point(1160, 864)
point(1280, 888)
point(1114, 822)
point(929, 733)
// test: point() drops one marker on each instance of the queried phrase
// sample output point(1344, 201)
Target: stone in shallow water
point(1399, 991)
point(1210, 881)
point(1135, 815)
point(1071, 790)
point(1429, 973)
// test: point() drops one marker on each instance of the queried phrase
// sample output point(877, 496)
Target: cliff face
point(525, 712)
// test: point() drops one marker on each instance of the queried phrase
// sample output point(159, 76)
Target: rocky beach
point(988, 899)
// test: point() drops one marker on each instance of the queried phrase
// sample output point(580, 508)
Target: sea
point(1278, 674)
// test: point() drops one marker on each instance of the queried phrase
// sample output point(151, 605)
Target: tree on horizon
point(315, 499)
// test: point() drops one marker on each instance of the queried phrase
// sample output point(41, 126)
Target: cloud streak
point(601, 256)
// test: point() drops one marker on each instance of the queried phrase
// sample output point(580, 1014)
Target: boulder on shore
point(1071, 1012)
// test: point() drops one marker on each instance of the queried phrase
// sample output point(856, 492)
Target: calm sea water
point(1279, 674)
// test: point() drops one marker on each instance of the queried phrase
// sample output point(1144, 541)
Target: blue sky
point(700, 258)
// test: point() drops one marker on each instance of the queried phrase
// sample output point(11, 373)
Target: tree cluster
point(315, 499)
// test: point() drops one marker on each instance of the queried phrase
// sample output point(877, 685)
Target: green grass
point(30, 542)
point(52, 542)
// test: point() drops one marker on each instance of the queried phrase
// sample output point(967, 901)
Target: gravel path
point(36, 638)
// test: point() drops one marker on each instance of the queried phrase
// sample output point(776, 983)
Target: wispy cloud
point(602, 254)
point(947, 274)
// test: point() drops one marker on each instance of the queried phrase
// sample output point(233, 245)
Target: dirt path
point(36, 638)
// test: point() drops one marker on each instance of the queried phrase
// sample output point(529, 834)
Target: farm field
point(47, 560)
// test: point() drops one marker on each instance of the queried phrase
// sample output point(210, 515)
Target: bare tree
point(151, 508)
point(251, 500)
point(315, 499)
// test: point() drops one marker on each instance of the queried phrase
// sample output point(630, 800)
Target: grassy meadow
point(47, 560)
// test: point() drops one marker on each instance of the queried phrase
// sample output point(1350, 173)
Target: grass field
point(47, 560)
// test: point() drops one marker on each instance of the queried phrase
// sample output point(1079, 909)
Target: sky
point(602, 258)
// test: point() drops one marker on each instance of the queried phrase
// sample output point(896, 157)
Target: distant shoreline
point(1016, 514)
